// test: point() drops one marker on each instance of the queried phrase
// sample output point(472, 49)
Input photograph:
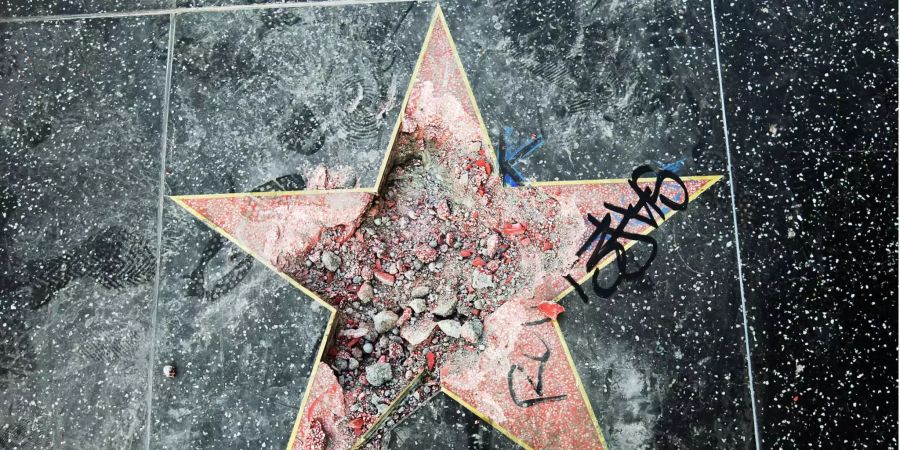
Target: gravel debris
point(385, 321)
point(365, 293)
point(471, 330)
point(481, 280)
point(451, 328)
point(420, 291)
point(417, 305)
point(446, 307)
point(378, 374)
point(331, 261)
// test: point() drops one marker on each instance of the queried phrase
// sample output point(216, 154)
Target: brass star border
point(436, 19)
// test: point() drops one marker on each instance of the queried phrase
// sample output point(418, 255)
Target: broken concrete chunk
point(471, 330)
point(331, 261)
point(420, 291)
point(354, 332)
point(450, 328)
point(385, 321)
point(378, 374)
point(418, 332)
point(417, 305)
point(365, 293)
point(490, 245)
point(481, 280)
point(446, 306)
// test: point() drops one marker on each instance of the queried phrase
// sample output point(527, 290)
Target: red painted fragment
point(478, 262)
point(357, 425)
point(384, 277)
point(465, 253)
point(484, 165)
point(513, 229)
point(551, 309)
point(430, 358)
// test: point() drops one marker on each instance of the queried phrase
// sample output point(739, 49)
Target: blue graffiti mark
point(673, 167)
point(509, 153)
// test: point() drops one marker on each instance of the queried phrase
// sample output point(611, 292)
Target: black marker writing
point(538, 386)
point(607, 237)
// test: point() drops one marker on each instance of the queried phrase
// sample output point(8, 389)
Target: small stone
point(442, 209)
point(471, 330)
point(368, 348)
point(365, 293)
point(445, 307)
point(384, 321)
point(416, 333)
point(417, 305)
point(352, 363)
point(426, 254)
point(490, 245)
point(407, 314)
point(378, 374)
point(478, 304)
point(340, 364)
point(481, 280)
point(169, 371)
point(420, 291)
point(451, 328)
point(331, 261)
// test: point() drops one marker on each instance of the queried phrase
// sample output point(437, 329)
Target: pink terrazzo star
point(438, 278)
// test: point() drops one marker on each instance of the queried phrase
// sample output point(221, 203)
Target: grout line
point(737, 239)
point(159, 224)
point(200, 9)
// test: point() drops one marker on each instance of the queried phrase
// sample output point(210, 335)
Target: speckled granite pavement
point(103, 280)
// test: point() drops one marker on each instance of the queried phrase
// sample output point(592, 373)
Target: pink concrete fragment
point(418, 332)
point(496, 382)
point(278, 228)
point(325, 412)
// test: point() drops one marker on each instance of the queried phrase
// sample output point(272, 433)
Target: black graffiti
point(607, 236)
point(537, 386)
